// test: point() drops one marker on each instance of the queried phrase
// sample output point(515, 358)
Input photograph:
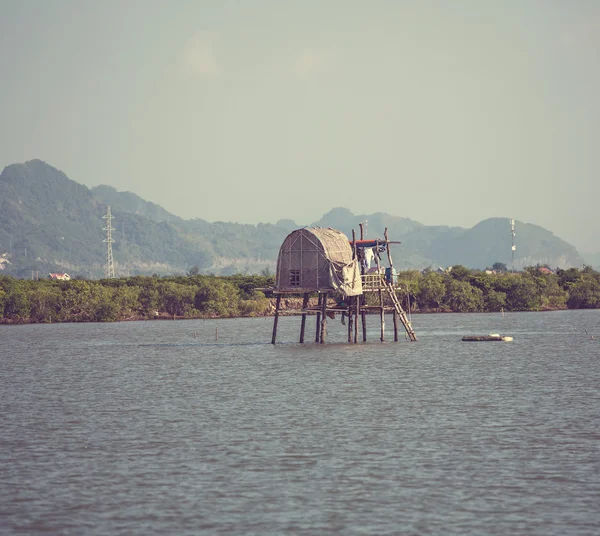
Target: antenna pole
point(513, 248)
point(109, 269)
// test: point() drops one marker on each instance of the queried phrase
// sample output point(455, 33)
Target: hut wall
point(302, 263)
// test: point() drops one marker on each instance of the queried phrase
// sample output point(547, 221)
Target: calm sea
point(156, 428)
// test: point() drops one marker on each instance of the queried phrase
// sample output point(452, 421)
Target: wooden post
point(362, 231)
point(364, 325)
point(318, 328)
point(276, 319)
point(387, 248)
point(324, 318)
point(350, 319)
point(303, 324)
point(356, 311)
point(356, 298)
point(395, 325)
point(382, 315)
point(377, 259)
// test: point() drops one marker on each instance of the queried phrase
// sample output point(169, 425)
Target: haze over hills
point(49, 222)
point(487, 242)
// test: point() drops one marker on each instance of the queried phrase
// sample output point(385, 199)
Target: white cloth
point(369, 256)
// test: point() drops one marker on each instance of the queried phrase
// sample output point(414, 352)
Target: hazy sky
point(446, 112)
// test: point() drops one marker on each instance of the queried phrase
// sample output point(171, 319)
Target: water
point(142, 428)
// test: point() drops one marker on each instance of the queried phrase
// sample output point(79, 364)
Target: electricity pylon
point(109, 269)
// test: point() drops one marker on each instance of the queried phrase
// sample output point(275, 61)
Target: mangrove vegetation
point(200, 296)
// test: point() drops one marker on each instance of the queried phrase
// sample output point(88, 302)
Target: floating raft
point(487, 338)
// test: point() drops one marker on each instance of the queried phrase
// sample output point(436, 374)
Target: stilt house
point(324, 261)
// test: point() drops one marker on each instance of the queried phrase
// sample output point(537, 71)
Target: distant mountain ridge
point(132, 203)
point(49, 222)
point(487, 242)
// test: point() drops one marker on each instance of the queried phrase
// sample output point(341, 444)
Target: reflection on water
point(158, 428)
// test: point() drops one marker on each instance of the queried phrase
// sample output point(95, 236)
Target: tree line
point(534, 289)
point(201, 296)
point(139, 297)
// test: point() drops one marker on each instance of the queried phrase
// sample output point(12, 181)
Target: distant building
point(4, 261)
point(545, 270)
point(60, 276)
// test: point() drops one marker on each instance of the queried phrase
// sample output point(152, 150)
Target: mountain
point(132, 203)
point(416, 238)
point(49, 222)
point(288, 225)
point(481, 246)
point(491, 239)
point(45, 215)
point(344, 220)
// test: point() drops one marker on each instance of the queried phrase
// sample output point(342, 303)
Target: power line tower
point(109, 269)
point(513, 248)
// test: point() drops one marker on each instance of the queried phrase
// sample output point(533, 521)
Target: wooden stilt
point(303, 324)
point(382, 315)
point(276, 319)
point(363, 317)
point(324, 318)
point(364, 325)
point(389, 253)
point(356, 311)
point(318, 326)
point(350, 319)
point(395, 326)
point(361, 299)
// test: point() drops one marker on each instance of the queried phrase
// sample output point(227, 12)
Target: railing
point(375, 281)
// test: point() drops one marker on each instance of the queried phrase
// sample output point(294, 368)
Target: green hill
point(49, 222)
point(491, 239)
point(479, 247)
point(48, 219)
point(132, 204)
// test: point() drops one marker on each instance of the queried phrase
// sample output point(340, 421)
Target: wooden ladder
point(403, 318)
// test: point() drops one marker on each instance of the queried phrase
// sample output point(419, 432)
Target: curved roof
point(335, 243)
point(314, 258)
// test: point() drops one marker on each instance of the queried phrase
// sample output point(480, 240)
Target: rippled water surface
point(158, 428)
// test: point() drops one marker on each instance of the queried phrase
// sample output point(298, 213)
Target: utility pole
point(109, 269)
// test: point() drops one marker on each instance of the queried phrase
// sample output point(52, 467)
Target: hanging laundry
point(369, 256)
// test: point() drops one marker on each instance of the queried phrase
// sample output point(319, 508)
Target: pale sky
point(445, 112)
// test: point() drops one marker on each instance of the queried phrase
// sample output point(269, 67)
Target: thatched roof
point(317, 259)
